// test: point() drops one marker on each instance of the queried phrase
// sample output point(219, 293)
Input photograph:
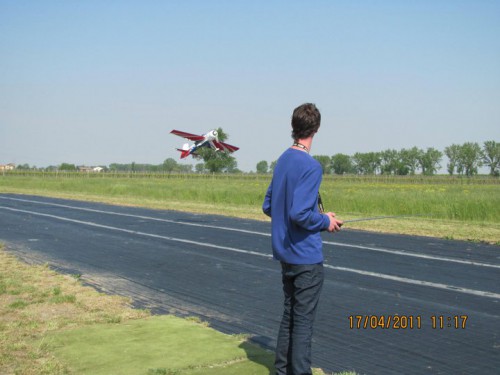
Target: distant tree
point(390, 162)
point(217, 161)
point(273, 165)
point(67, 167)
point(24, 167)
point(115, 167)
point(402, 167)
point(232, 166)
point(342, 164)
point(491, 156)
point(325, 162)
point(367, 163)
point(262, 167)
point(185, 168)
point(429, 161)
point(452, 152)
point(470, 158)
point(199, 168)
point(409, 161)
point(170, 165)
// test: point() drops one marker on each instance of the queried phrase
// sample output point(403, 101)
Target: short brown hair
point(306, 120)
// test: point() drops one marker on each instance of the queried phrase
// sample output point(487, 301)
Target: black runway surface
point(390, 304)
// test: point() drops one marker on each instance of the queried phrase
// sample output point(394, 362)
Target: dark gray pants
point(302, 287)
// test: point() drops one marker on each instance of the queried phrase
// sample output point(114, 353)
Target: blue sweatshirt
point(292, 203)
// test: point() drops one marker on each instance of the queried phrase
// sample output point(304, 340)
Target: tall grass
point(439, 197)
point(441, 201)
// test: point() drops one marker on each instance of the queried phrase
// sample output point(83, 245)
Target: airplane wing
point(191, 137)
point(225, 146)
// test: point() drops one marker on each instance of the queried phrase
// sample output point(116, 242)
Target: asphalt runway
point(390, 305)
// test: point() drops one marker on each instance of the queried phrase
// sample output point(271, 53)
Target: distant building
point(7, 167)
point(83, 168)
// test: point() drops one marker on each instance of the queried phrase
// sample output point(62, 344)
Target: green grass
point(149, 345)
point(467, 203)
point(442, 198)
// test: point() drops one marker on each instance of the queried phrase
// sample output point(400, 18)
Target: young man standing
point(292, 203)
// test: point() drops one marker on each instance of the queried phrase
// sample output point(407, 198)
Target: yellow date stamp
point(397, 321)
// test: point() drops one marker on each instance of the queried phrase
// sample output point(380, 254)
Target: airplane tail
point(184, 153)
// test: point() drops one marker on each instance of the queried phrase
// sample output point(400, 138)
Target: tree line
point(463, 159)
point(209, 161)
point(170, 165)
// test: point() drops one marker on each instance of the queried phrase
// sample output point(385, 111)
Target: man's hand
point(334, 223)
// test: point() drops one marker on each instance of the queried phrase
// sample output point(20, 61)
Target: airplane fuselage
point(206, 142)
point(209, 137)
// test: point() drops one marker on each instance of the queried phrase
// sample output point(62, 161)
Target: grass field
point(437, 206)
point(51, 324)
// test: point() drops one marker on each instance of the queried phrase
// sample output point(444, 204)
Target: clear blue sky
point(97, 82)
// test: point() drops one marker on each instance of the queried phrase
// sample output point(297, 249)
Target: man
point(292, 203)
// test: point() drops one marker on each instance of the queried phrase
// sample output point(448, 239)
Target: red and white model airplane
point(206, 140)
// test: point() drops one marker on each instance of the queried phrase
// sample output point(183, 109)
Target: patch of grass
point(59, 297)
point(135, 347)
point(418, 226)
point(69, 298)
point(163, 371)
point(36, 301)
point(18, 304)
point(196, 320)
point(433, 198)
